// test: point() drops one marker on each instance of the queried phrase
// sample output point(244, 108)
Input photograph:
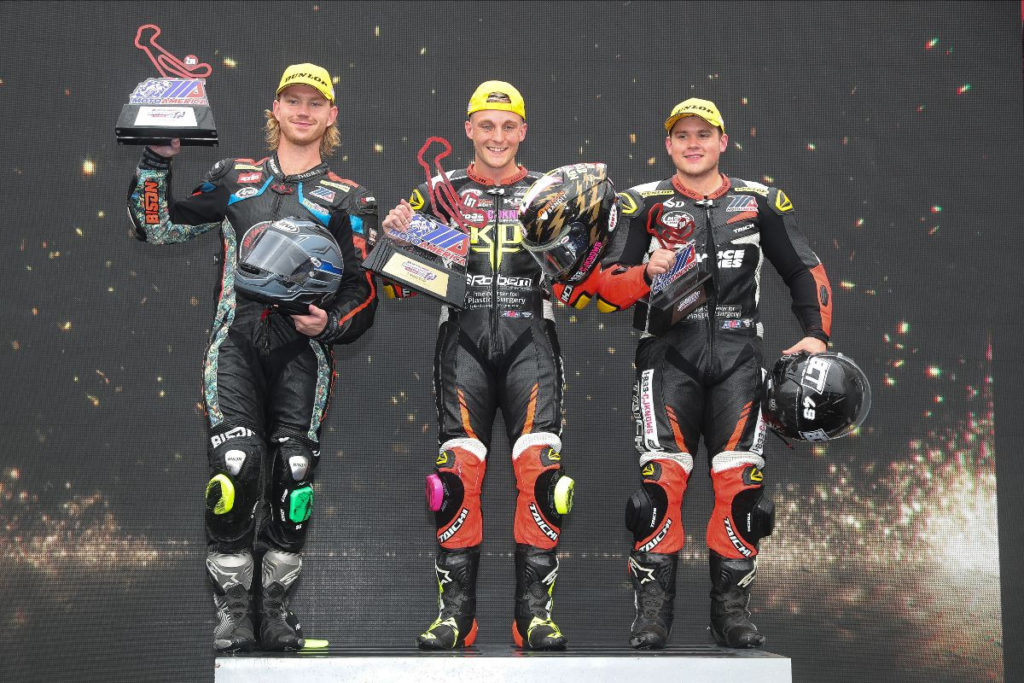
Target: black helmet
point(289, 263)
point(816, 397)
point(567, 217)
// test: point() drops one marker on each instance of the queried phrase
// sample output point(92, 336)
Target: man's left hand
point(312, 323)
point(811, 345)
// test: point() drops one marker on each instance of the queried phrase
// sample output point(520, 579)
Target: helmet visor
point(559, 257)
point(276, 253)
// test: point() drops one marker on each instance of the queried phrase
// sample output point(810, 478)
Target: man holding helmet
point(498, 350)
point(294, 235)
point(699, 374)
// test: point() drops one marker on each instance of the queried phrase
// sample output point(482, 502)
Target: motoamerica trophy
point(429, 256)
point(172, 106)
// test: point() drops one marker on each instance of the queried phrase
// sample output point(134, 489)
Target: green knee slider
point(300, 504)
point(220, 494)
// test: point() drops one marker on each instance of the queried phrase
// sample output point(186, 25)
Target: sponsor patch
point(245, 193)
point(741, 203)
point(646, 411)
point(151, 202)
point(250, 177)
point(323, 193)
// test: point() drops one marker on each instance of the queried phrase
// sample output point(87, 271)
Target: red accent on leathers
point(470, 470)
point(727, 485)
point(673, 480)
point(530, 518)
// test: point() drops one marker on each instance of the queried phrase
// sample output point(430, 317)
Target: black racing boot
point(231, 575)
point(654, 585)
point(279, 628)
point(455, 625)
point(536, 571)
point(730, 595)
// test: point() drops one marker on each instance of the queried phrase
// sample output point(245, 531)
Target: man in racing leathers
point(267, 375)
point(702, 375)
point(499, 350)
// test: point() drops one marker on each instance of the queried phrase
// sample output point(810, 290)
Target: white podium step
point(497, 664)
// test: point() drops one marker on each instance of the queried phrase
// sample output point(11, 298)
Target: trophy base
point(157, 125)
point(418, 273)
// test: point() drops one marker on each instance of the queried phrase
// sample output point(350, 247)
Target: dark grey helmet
point(288, 264)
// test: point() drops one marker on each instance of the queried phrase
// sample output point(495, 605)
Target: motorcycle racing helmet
point(816, 397)
point(568, 216)
point(288, 264)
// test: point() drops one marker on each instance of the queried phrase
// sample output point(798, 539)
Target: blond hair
point(328, 143)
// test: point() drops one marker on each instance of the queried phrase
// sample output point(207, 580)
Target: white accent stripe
point(536, 439)
point(726, 460)
point(684, 460)
point(474, 446)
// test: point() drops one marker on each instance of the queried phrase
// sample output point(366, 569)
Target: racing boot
point(654, 584)
point(730, 595)
point(231, 575)
point(455, 625)
point(279, 627)
point(536, 571)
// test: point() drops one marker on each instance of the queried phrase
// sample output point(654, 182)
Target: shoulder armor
point(219, 170)
point(631, 202)
point(779, 202)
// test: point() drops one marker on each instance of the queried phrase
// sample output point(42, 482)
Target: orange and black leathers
point(499, 351)
point(702, 376)
point(266, 385)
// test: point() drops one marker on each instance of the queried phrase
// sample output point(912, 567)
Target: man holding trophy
point(496, 348)
point(294, 234)
point(699, 361)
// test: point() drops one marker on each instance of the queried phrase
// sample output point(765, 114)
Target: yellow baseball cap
point(308, 74)
point(497, 95)
point(705, 109)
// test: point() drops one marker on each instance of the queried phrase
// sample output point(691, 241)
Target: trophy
point(172, 106)
point(679, 290)
point(429, 256)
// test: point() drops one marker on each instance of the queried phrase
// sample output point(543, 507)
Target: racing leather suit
point(703, 375)
point(498, 351)
point(266, 385)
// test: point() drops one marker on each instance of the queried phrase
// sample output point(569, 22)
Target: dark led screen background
point(895, 128)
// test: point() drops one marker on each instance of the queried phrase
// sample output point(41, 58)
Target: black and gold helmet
point(568, 216)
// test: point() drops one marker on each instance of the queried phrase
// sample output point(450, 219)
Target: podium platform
point(497, 664)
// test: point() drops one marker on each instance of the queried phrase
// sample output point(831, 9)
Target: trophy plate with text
point(160, 109)
point(427, 256)
point(677, 292)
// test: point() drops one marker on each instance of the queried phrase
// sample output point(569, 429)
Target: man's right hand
point(167, 151)
point(399, 217)
point(661, 260)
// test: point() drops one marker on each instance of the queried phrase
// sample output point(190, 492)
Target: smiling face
point(303, 114)
point(695, 146)
point(496, 136)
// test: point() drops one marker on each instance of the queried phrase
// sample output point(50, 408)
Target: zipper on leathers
point(711, 254)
